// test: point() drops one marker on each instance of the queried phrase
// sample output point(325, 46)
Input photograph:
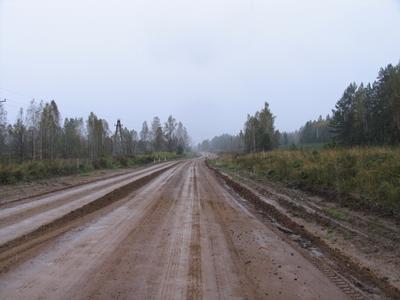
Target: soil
point(369, 244)
point(28, 189)
point(175, 231)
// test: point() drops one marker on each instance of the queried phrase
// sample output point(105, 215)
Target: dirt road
point(180, 235)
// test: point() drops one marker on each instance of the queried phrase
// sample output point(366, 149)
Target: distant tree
point(169, 132)
point(240, 142)
point(259, 131)
point(276, 139)
point(41, 136)
point(370, 114)
point(359, 112)
point(204, 146)
point(266, 131)
point(182, 138)
point(343, 116)
point(34, 139)
point(18, 138)
point(223, 143)
point(155, 124)
point(144, 138)
point(50, 130)
point(3, 131)
point(135, 140)
point(73, 138)
point(157, 135)
point(129, 142)
point(159, 140)
point(99, 142)
point(250, 134)
point(314, 132)
point(285, 141)
point(387, 89)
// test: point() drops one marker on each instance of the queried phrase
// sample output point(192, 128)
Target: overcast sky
point(208, 62)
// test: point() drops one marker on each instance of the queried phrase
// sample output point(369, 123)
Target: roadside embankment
point(362, 242)
point(358, 178)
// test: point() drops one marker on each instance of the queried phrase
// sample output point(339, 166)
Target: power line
point(9, 99)
point(11, 103)
point(23, 97)
point(16, 104)
point(27, 98)
point(14, 92)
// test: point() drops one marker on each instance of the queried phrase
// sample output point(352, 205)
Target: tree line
point(223, 143)
point(38, 134)
point(258, 134)
point(365, 115)
point(313, 132)
point(370, 114)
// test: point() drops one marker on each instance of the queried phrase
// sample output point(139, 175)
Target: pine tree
point(343, 117)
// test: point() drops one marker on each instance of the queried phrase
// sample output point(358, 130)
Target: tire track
point(15, 213)
point(91, 207)
point(75, 262)
point(179, 256)
point(145, 244)
point(303, 239)
point(181, 236)
point(216, 208)
point(194, 290)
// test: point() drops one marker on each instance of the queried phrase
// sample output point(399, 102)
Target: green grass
point(330, 234)
point(336, 214)
point(11, 173)
point(369, 177)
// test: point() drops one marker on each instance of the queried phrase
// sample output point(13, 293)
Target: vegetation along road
point(176, 230)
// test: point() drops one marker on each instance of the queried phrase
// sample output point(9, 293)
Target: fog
point(208, 63)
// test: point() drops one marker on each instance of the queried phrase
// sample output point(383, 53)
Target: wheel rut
point(181, 235)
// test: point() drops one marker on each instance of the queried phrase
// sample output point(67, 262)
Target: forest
point(366, 115)
point(40, 144)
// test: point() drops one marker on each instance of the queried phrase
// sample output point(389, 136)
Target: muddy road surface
point(179, 234)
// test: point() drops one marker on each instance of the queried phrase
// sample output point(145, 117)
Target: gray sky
point(208, 62)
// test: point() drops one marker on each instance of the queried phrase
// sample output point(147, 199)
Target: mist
point(208, 63)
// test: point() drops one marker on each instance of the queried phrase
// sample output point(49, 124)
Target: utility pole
point(118, 149)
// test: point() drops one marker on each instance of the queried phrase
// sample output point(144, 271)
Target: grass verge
point(11, 173)
point(367, 178)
